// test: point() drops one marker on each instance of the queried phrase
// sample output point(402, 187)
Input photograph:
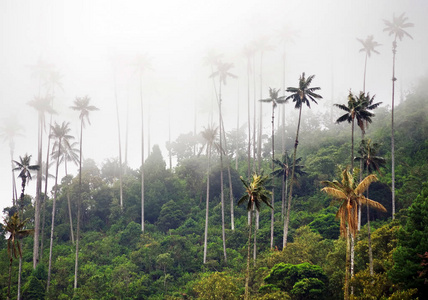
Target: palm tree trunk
point(296, 143)
point(10, 278)
point(19, 278)
point(369, 239)
point(247, 275)
point(70, 217)
point(254, 114)
point(394, 51)
point(53, 216)
point(352, 147)
point(232, 200)
point(79, 204)
point(38, 196)
point(120, 147)
point(207, 205)
point(142, 153)
point(248, 120)
point(221, 178)
point(272, 214)
point(255, 244)
point(347, 264)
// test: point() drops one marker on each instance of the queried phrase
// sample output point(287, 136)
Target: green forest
point(166, 261)
point(330, 204)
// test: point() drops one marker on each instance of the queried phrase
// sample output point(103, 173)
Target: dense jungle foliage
point(118, 261)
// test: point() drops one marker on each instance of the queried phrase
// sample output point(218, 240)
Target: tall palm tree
point(209, 135)
point(396, 27)
point(371, 163)
point(283, 173)
point(369, 46)
point(42, 105)
point(222, 72)
point(255, 195)
point(349, 195)
point(16, 229)
point(61, 136)
point(9, 130)
point(82, 105)
point(275, 99)
point(356, 109)
point(142, 63)
point(24, 167)
point(300, 95)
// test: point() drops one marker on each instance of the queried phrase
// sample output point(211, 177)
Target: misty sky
point(83, 39)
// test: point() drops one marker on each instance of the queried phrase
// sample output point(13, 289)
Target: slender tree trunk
point(248, 120)
point(237, 135)
point(221, 177)
point(254, 114)
point(38, 196)
point(365, 68)
point(255, 244)
point(142, 153)
point(352, 147)
point(352, 257)
point(207, 205)
point(247, 275)
point(284, 237)
point(10, 279)
point(14, 192)
point(347, 264)
point(296, 143)
point(259, 142)
point(369, 238)
point(272, 213)
point(19, 278)
point(70, 216)
point(232, 200)
point(120, 146)
point(79, 205)
point(394, 51)
point(53, 216)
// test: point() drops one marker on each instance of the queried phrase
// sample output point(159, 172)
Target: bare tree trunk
point(142, 153)
point(296, 143)
point(221, 177)
point(347, 264)
point(38, 197)
point(79, 204)
point(53, 216)
point(272, 213)
point(19, 278)
point(247, 275)
point(394, 51)
point(207, 205)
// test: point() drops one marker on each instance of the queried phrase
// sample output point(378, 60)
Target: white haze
point(82, 38)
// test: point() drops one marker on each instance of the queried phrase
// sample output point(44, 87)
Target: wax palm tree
point(255, 195)
point(371, 163)
point(349, 195)
point(222, 72)
point(283, 173)
point(42, 105)
point(211, 59)
point(301, 95)
point(9, 130)
point(61, 136)
point(82, 105)
point(210, 136)
point(16, 229)
point(369, 46)
point(396, 27)
point(275, 99)
point(142, 63)
point(355, 110)
point(24, 167)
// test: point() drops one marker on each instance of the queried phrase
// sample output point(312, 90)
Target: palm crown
point(369, 45)
point(302, 94)
point(397, 26)
point(274, 98)
point(255, 192)
point(350, 195)
point(368, 151)
point(82, 104)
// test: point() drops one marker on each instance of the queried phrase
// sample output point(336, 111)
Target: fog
point(84, 40)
